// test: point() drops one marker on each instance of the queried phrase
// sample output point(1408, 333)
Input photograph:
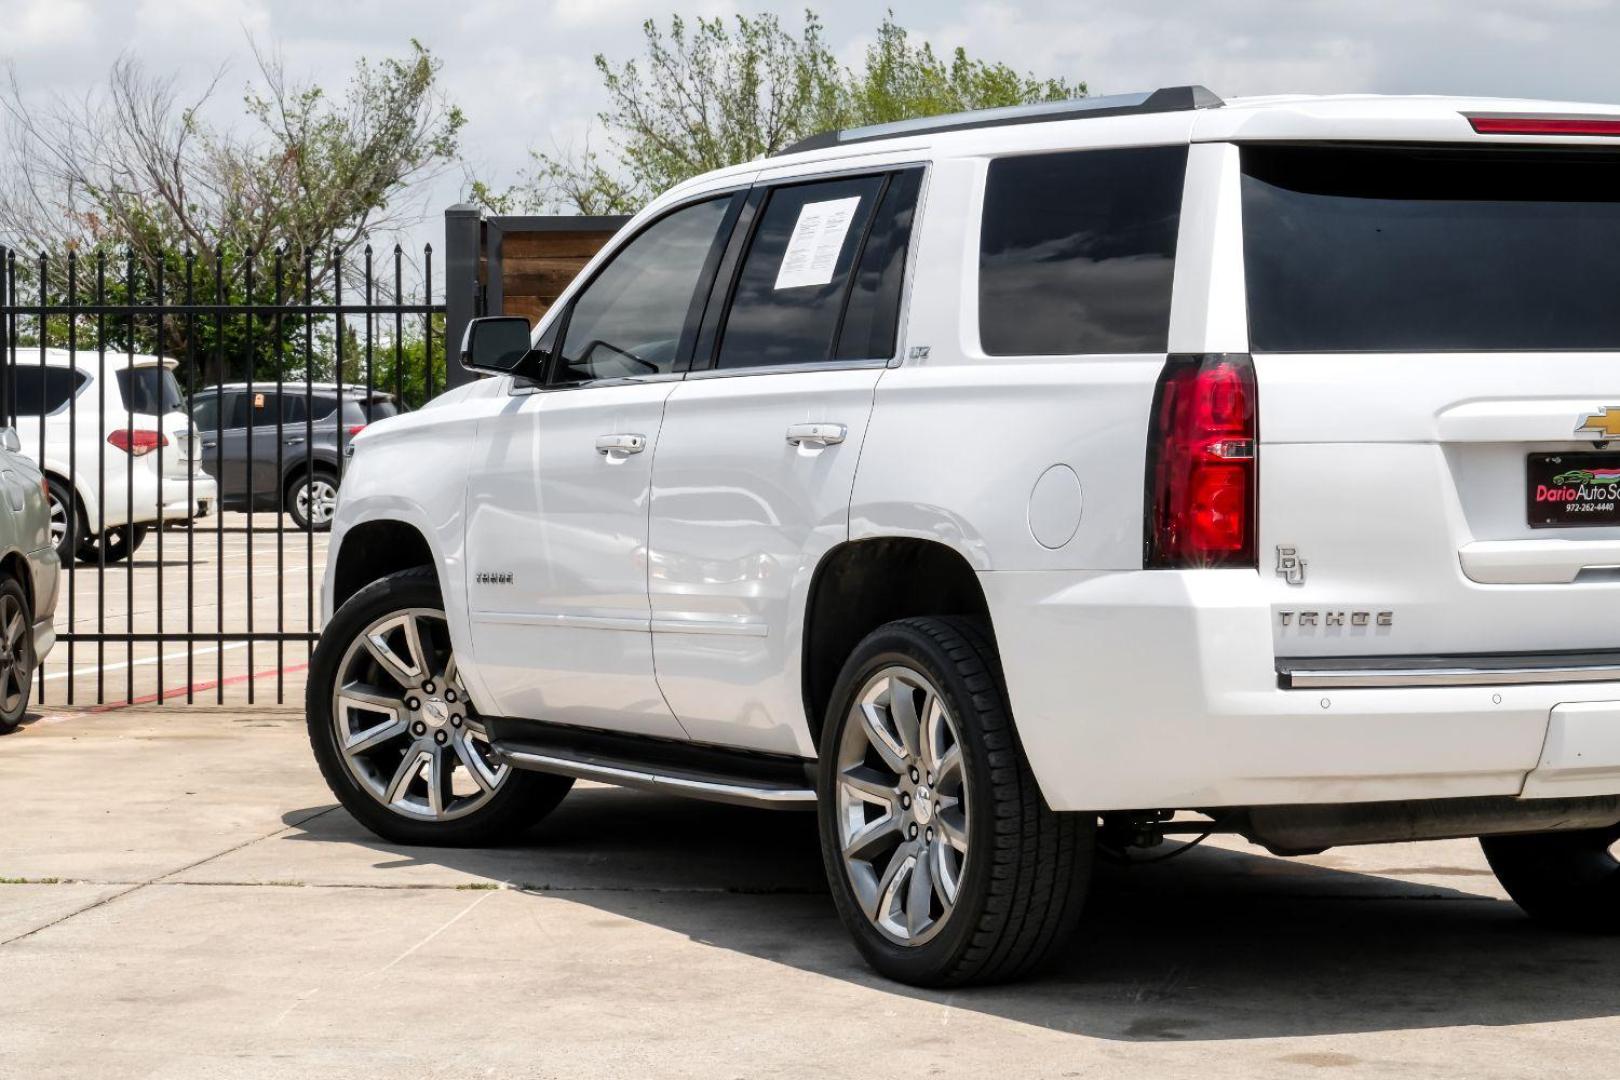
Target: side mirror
point(498, 345)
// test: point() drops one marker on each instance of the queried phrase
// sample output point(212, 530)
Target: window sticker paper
point(818, 237)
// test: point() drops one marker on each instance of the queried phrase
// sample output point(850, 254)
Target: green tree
point(714, 94)
point(276, 207)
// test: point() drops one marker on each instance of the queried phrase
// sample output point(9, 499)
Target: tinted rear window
point(1398, 249)
point(1077, 251)
point(151, 390)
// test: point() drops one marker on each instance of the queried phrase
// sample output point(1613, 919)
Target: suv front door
point(757, 455)
point(557, 498)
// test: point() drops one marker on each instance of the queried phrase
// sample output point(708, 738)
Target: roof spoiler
point(1169, 99)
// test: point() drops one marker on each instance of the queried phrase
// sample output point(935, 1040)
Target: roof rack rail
point(1169, 99)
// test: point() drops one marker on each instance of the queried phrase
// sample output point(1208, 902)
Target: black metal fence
point(191, 412)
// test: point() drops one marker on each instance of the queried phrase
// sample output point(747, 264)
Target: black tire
point(1025, 873)
point(295, 489)
point(16, 653)
point(120, 543)
point(520, 800)
point(1568, 880)
point(65, 508)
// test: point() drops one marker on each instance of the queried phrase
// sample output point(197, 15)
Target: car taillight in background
point(138, 441)
point(355, 429)
point(1202, 486)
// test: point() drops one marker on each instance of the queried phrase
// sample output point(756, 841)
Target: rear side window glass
point(1425, 249)
point(150, 390)
point(1077, 251)
point(633, 317)
point(209, 406)
point(873, 314)
point(40, 391)
point(791, 287)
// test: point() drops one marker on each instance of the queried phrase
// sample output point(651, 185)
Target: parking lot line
point(91, 669)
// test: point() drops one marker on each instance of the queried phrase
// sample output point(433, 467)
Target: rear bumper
point(147, 498)
point(1160, 689)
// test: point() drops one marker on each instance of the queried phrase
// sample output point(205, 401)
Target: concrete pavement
point(181, 899)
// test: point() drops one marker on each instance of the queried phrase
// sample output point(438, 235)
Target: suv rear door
point(757, 455)
point(1437, 349)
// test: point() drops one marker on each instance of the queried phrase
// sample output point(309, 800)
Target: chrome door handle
point(622, 445)
point(816, 435)
point(293, 441)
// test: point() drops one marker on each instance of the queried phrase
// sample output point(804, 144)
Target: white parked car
point(120, 452)
point(1007, 485)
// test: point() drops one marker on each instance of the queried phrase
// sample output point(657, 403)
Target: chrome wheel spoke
point(439, 772)
point(871, 838)
point(374, 736)
point(885, 899)
point(951, 823)
point(868, 785)
point(881, 739)
point(410, 767)
point(407, 669)
point(903, 713)
point(485, 777)
point(920, 895)
point(943, 866)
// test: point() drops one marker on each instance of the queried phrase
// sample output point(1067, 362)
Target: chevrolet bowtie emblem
point(1605, 422)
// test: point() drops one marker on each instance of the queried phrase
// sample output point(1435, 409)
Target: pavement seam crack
point(160, 879)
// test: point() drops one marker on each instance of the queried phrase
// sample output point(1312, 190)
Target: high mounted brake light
point(1202, 488)
point(1545, 125)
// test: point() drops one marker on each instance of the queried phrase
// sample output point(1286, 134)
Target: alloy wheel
point(14, 665)
point(405, 729)
point(902, 805)
point(59, 519)
point(317, 501)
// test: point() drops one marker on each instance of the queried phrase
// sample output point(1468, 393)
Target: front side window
point(792, 285)
point(1077, 251)
point(1424, 249)
point(634, 317)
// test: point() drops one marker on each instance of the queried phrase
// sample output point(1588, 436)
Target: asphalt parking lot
point(220, 577)
point(181, 898)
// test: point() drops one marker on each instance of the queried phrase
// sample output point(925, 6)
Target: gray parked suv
point(279, 448)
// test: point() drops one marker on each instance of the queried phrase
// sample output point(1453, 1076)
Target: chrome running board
point(716, 773)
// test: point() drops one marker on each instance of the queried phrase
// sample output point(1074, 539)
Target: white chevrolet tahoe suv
point(1023, 485)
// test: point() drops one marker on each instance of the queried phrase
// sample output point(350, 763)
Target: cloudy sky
point(521, 69)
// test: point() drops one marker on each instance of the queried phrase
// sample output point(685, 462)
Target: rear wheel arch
point(862, 584)
point(372, 550)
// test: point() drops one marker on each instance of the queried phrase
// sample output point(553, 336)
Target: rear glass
point(1078, 250)
point(1403, 249)
point(151, 390)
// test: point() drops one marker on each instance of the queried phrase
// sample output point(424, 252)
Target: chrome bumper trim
point(1385, 672)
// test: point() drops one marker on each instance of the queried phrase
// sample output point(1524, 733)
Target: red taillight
point(137, 442)
point(355, 429)
point(1545, 125)
point(1201, 483)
